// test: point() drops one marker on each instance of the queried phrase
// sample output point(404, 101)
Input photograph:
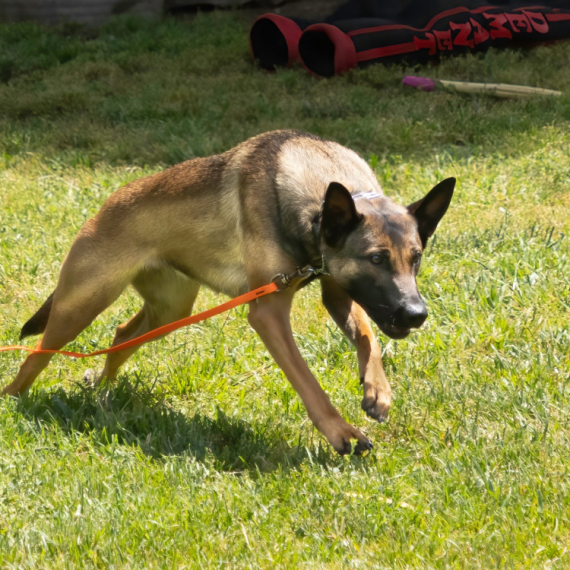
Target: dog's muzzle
point(405, 318)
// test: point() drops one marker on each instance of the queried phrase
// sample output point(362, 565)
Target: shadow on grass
point(132, 415)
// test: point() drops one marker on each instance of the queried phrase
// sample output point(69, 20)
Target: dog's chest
point(227, 276)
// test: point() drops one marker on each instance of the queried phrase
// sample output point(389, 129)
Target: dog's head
point(373, 247)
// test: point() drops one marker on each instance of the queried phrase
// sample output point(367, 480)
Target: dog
point(231, 222)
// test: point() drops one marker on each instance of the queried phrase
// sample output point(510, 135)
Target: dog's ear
point(431, 208)
point(339, 215)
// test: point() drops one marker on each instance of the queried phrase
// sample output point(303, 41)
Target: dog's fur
point(231, 222)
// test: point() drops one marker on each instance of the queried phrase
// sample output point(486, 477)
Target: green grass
point(201, 455)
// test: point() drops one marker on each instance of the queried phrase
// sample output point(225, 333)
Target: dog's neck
point(305, 246)
point(316, 253)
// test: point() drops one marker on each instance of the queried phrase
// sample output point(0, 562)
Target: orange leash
point(246, 298)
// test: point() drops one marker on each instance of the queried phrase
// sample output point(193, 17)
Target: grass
point(201, 455)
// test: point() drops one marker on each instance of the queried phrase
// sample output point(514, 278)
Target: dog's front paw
point(340, 433)
point(377, 400)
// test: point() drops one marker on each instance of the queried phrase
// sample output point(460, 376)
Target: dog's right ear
point(431, 208)
point(339, 215)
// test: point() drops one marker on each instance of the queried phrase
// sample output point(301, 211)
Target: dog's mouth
point(393, 331)
point(388, 328)
point(385, 320)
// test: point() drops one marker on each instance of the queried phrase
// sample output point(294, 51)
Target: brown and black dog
point(231, 222)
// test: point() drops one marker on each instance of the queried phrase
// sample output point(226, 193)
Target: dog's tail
point(37, 324)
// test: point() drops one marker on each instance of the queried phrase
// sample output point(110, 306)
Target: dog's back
point(193, 216)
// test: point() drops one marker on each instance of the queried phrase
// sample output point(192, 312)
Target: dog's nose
point(411, 315)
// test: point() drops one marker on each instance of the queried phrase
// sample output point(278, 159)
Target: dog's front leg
point(269, 316)
point(354, 322)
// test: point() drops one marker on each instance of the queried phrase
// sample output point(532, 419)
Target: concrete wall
point(93, 12)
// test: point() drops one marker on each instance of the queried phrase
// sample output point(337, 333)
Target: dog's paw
point(376, 401)
point(340, 435)
point(89, 377)
point(363, 447)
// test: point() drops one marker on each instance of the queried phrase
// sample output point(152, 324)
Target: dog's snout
point(411, 315)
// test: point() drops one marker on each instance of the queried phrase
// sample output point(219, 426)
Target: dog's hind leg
point(72, 311)
point(88, 283)
point(354, 322)
point(169, 296)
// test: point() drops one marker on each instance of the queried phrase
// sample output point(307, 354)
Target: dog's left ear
point(431, 208)
point(339, 215)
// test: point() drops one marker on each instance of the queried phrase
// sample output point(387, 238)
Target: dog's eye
point(378, 258)
point(416, 258)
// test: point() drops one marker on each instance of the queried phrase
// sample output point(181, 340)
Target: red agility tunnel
point(327, 50)
point(274, 41)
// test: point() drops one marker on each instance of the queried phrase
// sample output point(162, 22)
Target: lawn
point(201, 455)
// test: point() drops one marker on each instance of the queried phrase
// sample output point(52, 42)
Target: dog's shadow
point(133, 416)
